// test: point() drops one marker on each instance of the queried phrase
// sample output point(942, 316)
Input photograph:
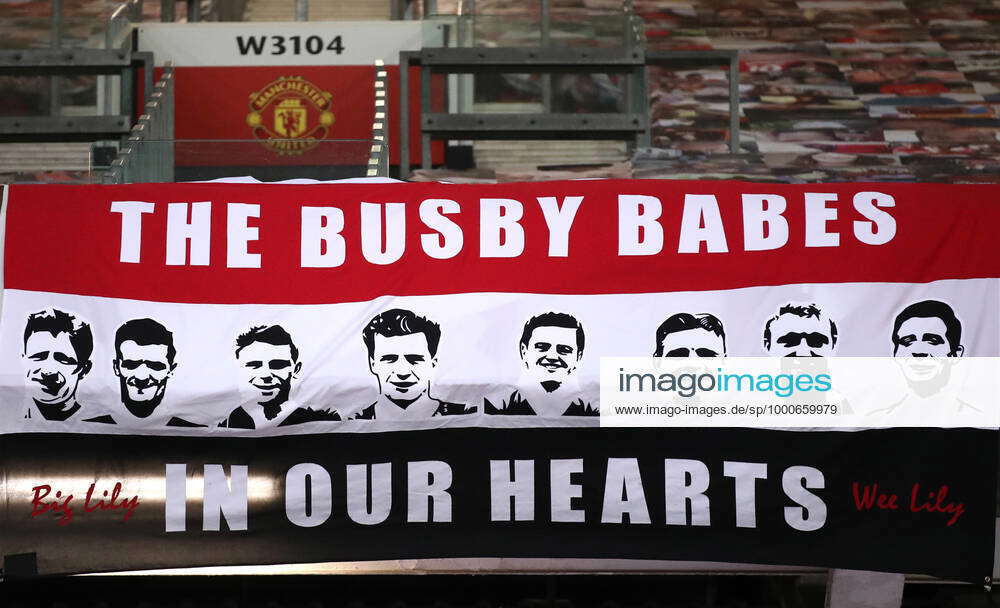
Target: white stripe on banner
point(5, 190)
point(480, 361)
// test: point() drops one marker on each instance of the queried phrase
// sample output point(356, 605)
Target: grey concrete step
point(507, 155)
point(44, 157)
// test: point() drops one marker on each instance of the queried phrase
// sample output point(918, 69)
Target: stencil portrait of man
point(930, 331)
point(690, 335)
point(800, 331)
point(551, 348)
point(402, 355)
point(927, 329)
point(56, 356)
point(143, 363)
point(268, 362)
point(926, 341)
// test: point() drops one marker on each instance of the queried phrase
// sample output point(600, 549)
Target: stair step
point(44, 157)
point(506, 155)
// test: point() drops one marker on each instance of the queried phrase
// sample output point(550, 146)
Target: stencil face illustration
point(696, 342)
point(143, 371)
point(925, 335)
point(403, 365)
point(922, 337)
point(687, 334)
point(53, 371)
point(144, 361)
point(267, 371)
point(551, 354)
point(795, 336)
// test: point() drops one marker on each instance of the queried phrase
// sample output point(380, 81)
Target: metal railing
point(378, 159)
point(119, 24)
point(203, 10)
point(147, 159)
point(151, 154)
point(75, 53)
point(543, 25)
point(728, 58)
point(559, 47)
point(168, 10)
point(118, 35)
point(136, 163)
point(398, 9)
point(69, 62)
point(560, 65)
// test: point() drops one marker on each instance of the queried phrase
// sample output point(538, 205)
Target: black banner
point(902, 500)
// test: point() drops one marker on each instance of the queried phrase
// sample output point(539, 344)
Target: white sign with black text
point(285, 44)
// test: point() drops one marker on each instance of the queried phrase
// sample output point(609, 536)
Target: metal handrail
point(117, 35)
point(117, 29)
point(378, 158)
point(156, 123)
point(214, 10)
point(56, 63)
point(398, 9)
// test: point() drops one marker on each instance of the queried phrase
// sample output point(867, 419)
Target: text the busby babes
point(384, 234)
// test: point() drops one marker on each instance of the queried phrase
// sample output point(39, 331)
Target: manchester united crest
point(290, 115)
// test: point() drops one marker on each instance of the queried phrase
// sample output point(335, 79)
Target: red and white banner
point(209, 262)
point(446, 340)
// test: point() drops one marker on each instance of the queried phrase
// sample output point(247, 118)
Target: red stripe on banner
point(66, 239)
